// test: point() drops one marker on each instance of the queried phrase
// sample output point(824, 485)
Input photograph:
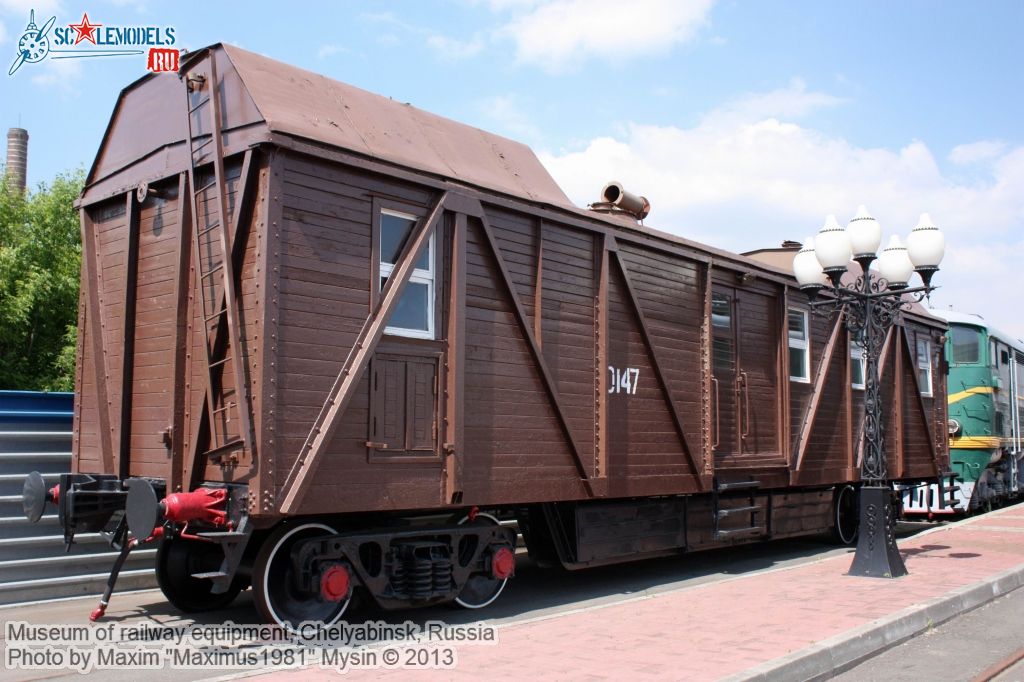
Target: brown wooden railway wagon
point(329, 341)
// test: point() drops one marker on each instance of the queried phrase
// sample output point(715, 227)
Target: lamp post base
point(877, 555)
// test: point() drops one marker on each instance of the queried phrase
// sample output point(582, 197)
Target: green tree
point(40, 254)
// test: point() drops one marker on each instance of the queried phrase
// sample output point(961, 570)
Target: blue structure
point(35, 435)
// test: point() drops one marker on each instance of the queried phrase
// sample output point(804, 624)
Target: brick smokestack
point(17, 158)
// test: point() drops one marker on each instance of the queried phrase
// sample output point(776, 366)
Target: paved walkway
point(792, 623)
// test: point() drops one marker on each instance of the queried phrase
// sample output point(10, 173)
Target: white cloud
point(747, 176)
point(509, 117)
point(793, 101)
point(975, 152)
point(62, 75)
point(326, 51)
point(560, 34)
point(3, 34)
point(452, 49)
point(23, 7)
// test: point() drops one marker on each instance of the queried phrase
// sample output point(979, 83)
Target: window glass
point(798, 325)
point(966, 345)
point(924, 367)
point(799, 346)
point(722, 342)
point(721, 315)
point(858, 364)
point(414, 313)
point(394, 230)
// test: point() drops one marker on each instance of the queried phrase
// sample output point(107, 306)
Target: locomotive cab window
point(924, 367)
point(799, 347)
point(966, 345)
point(413, 316)
point(857, 365)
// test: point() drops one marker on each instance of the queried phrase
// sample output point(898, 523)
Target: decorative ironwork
point(872, 306)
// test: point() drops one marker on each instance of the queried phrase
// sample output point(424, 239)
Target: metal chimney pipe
point(17, 158)
point(637, 206)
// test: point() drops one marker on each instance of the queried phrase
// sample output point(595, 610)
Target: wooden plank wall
point(914, 424)
point(152, 381)
point(324, 287)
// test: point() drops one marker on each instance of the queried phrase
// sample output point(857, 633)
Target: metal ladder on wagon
point(226, 404)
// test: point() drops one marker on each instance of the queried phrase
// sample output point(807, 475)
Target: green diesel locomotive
point(986, 411)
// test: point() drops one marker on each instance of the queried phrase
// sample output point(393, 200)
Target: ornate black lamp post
point(872, 304)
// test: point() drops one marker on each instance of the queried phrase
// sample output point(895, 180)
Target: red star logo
point(85, 30)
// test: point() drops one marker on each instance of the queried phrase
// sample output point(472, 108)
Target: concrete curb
point(832, 656)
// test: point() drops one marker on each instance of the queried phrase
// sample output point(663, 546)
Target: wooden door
point(403, 407)
point(725, 372)
point(745, 410)
point(758, 380)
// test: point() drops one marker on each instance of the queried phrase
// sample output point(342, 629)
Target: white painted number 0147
point(624, 380)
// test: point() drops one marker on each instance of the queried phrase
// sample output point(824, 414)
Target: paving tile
point(719, 629)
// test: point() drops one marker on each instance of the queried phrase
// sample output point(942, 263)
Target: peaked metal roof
point(150, 117)
point(304, 104)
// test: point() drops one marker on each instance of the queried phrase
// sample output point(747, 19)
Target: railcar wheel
point(273, 581)
point(846, 514)
point(480, 590)
point(177, 559)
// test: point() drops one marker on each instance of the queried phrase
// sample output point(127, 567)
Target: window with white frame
point(858, 365)
point(924, 366)
point(799, 346)
point(414, 314)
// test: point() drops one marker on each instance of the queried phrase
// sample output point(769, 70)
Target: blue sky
point(745, 123)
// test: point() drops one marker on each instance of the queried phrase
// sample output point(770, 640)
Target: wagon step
point(733, 532)
point(210, 575)
point(947, 493)
point(738, 485)
point(223, 535)
point(726, 513)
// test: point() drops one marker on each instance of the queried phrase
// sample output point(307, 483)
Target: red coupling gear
point(503, 563)
point(335, 583)
point(157, 534)
point(98, 612)
point(202, 504)
point(473, 511)
point(54, 494)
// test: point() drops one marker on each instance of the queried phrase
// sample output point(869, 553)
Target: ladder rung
point(224, 409)
point(207, 274)
point(216, 314)
point(207, 230)
point(206, 186)
point(199, 106)
point(220, 362)
point(227, 447)
point(203, 144)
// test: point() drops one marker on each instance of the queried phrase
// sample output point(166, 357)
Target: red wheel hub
point(334, 583)
point(503, 563)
